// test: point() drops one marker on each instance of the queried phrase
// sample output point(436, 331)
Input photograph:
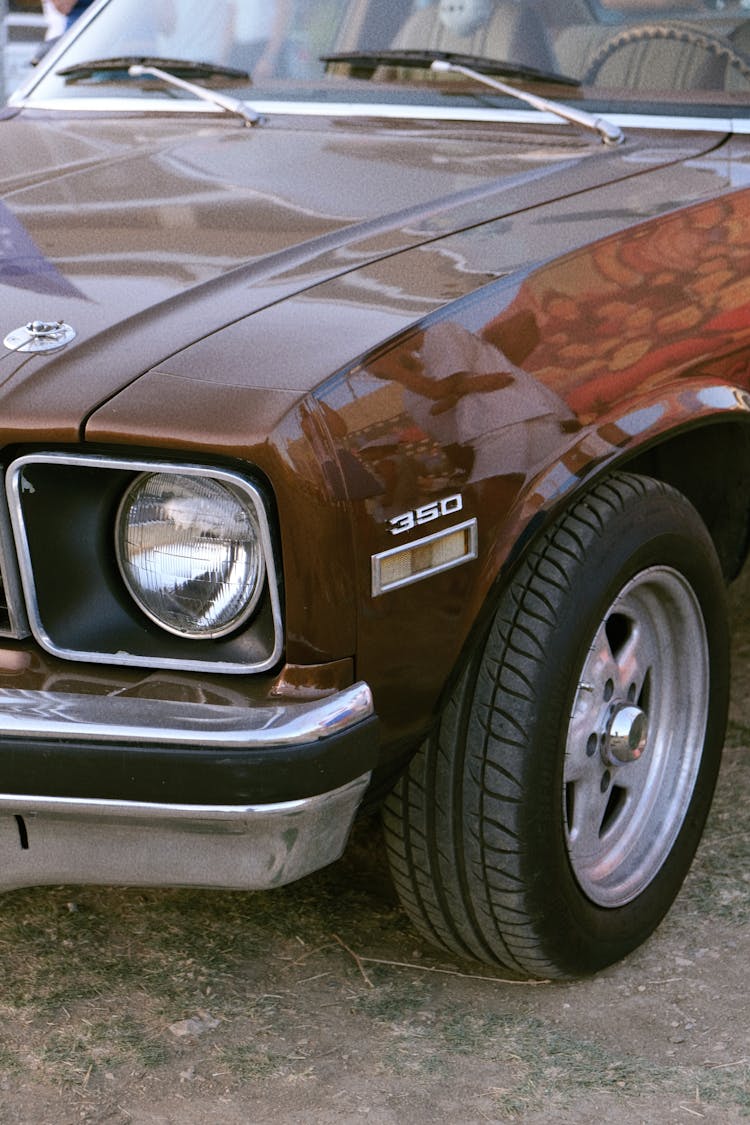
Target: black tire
point(606, 665)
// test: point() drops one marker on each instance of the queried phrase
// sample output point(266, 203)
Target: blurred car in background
point(24, 29)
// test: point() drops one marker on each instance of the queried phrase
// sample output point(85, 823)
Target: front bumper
point(108, 789)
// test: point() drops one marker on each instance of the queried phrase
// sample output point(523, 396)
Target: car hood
point(147, 235)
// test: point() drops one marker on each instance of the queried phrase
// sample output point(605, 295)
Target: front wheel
point(548, 823)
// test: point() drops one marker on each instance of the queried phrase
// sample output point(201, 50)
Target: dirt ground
point(317, 1003)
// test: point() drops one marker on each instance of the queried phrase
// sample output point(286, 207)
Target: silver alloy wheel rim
point(636, 737)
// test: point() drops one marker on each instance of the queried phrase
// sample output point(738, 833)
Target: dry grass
point(324, 983)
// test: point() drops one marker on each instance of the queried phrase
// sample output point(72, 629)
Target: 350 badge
point(417, 517)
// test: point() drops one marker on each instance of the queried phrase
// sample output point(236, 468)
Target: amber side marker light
point(417, 560)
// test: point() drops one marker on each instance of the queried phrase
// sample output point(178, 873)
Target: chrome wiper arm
point(481, 70)
point(610, 133)
point(168, 71)
point(229, 105)
point(369, 61)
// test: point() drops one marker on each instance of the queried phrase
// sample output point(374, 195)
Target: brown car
point(375, 392)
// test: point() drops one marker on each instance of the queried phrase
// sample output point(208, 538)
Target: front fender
point(513, 399)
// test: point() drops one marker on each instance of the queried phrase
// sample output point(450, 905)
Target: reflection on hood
point(24, 266)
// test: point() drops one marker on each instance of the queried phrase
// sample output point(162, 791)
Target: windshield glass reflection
point(695, 53)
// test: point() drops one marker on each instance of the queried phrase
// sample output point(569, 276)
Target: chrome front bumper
point(127, 721)
point(93, 788)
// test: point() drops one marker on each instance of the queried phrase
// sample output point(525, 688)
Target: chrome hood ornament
point(40, 336)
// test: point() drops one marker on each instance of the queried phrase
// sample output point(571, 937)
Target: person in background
point(195, 29)
point(55, 20)
point(260, 36)
point(71, 9)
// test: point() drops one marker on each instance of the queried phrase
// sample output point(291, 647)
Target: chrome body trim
point(678, 122)
point(380, 587)
point(25, 804)
point(14, 485)
point(128, 721)
point(10, 578)
point(256, 847)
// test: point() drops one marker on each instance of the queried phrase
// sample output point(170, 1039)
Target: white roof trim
point(272, 107)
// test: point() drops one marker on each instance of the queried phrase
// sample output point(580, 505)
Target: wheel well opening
point(711, 467)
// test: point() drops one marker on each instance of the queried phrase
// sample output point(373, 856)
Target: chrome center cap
point(628, 734)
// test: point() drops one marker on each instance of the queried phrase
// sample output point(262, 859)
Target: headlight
point(189, 549)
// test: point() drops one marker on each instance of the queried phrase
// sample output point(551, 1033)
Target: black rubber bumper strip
point(187, 776)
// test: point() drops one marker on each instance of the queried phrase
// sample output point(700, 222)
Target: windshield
point(690, 57)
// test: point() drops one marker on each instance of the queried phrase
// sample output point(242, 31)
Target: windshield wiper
point(182, 68)
point(481, 70)
point(168, 71)
point(367, 62)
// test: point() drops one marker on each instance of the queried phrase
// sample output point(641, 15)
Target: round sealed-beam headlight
point(190, 552)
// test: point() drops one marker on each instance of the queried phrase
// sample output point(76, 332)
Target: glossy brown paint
point(220, 395)
point(252, 332)
point(148, 244)
point(515, 403)
point(25, 668)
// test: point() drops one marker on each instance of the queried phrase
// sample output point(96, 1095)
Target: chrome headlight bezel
point(65, 504)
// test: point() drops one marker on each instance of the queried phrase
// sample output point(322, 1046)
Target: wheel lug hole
point(609, 691)
point(592, 745)
point(606, 781)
